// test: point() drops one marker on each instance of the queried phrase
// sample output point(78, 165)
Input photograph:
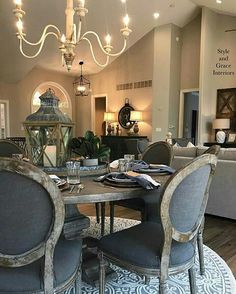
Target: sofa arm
point(222, 196)
point(180, 161)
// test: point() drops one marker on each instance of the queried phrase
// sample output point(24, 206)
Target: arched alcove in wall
point(65, 101)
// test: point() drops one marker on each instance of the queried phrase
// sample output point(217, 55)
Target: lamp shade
point(136, 116)
point(221, 123)
point(109, 116)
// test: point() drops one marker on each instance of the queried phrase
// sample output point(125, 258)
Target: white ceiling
point(104, 16)
point(227, 6)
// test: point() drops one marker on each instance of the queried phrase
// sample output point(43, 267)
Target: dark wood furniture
point(223, 145)
point(117, 145)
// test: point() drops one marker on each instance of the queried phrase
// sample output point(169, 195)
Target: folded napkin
point(152, 168)
point(143, 180)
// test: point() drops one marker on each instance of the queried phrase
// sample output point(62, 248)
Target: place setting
point(72, 181)
point(131, 173)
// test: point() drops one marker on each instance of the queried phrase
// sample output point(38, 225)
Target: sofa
point(222, 197)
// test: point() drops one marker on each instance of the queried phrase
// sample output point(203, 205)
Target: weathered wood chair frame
point(170, 232)
point(214, 149)
point(44, 248)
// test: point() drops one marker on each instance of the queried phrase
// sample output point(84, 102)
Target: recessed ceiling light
point(123, 1)
point(156, 15)
point(219, 1)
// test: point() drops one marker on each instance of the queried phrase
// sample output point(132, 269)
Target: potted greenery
point(90, 148)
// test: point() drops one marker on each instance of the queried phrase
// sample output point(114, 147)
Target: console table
point(223, 145)
point(118, 145)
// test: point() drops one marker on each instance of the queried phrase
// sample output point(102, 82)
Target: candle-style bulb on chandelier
point(72, 37)
point(82, 85)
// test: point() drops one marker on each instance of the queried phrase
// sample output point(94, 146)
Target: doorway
point(99, 106)
point(4, 119)
point(189, 113)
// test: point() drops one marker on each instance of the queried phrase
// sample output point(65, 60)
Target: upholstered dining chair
point(7, 148)
point(166, 248)
point(159, 153)
point(34, 255)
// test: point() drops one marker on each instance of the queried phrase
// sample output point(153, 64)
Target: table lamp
point(136, 116)
point(221, 124)
point(109, 117)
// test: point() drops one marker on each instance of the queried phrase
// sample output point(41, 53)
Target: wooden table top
point(98, 192)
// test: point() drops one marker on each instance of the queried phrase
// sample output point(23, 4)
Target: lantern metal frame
point(82, 82)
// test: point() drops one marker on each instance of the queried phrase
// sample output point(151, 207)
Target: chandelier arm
point(40, 48)
point(98, 39)
point(100, 44)
point(44, 35)
point(93, 55)
point(121, 51)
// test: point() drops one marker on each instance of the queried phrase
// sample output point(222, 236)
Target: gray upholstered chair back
point(135, 146)
point(7, 148)
point(159, 153)
point(185, 197)
point(31, 213)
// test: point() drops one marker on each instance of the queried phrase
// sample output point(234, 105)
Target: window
point(60, 92)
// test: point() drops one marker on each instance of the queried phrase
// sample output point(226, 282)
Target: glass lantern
point(48, 132)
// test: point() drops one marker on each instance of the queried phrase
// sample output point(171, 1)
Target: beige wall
point(166, 81)
point(136, 64)
point(20, 94)
point(214, 37)
point(190, 56)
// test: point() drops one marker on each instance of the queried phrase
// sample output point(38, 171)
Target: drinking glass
point(122, 165)
point(129, 158)
point(73, 172)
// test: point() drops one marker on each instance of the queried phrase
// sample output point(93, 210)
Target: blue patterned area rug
point(218, 278)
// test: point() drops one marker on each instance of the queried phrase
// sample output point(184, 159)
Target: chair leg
point(163, 287)
point(147, 280)
point(78, 284)
point(192, 281)
point(78, 281)
point(200, 247)
point(112, 212)
point(200, 253)
point(102, 265)
point(97, 213)
point(103, 207)
point(143, 215)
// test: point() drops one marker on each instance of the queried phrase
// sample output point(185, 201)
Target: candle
point(108, 39)
point(19, 25)
point(18, 3)
point(50, 153)
point(126, 20)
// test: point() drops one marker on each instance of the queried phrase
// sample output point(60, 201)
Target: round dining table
point(94, 192)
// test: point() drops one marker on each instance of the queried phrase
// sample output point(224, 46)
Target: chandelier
point(73, 36)
point(82, 85)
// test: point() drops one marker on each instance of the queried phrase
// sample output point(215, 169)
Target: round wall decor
point(124, 115)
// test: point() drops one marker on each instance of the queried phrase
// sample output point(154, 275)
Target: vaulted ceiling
point(104, 16)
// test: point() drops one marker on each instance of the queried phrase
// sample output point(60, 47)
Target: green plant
point(90, 146)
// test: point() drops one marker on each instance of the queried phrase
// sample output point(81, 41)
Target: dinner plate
point(152, 171)
point(130, 184)
point(120, 180)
